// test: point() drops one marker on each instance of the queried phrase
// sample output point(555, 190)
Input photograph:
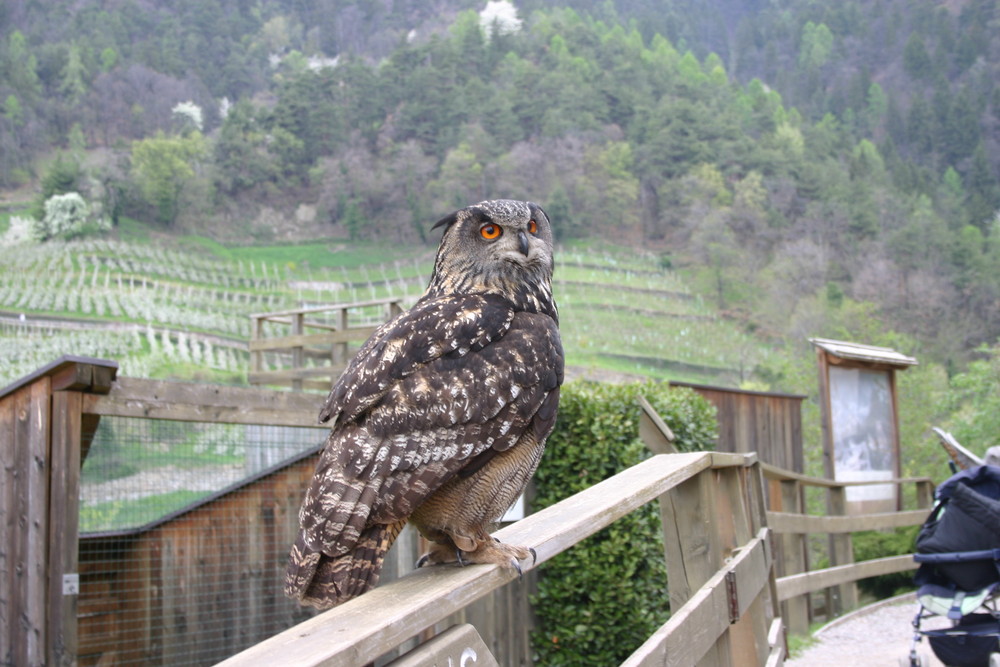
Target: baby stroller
point(958, 549)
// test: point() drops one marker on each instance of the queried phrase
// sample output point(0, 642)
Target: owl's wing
point(431, 419)
point(432, 328)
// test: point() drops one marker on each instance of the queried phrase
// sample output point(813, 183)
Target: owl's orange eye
point(532, 226)
point(490, 232)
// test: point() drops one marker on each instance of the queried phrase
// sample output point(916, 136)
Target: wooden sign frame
point(860, 420)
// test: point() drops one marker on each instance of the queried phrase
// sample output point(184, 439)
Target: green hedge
point(872, 544)
point(597, 602)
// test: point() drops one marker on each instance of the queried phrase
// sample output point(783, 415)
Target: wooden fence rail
point(321, 333)
point(735, 536)
point(368, 627)
point(786, 516)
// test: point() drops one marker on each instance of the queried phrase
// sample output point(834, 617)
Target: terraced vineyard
point(165, 312)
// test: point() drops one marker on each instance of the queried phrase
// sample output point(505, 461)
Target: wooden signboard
point(860, 420)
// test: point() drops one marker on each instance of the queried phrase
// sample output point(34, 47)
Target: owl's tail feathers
point(322, 581)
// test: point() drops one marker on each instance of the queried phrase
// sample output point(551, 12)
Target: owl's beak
point(522, 243)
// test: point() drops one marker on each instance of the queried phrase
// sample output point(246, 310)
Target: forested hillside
point(814, 168)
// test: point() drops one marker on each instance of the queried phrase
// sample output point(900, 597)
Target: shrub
point(872, 544)
point(597, 602)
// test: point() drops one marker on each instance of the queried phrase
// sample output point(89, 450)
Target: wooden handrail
point(809, 582)
point(367, 627)
point(792, 527)
point(774, 473)
point(786, 522)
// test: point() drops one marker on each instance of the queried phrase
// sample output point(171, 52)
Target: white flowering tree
point(187, 115)
point(66, 216)
point(20, 231)
point(499, 16)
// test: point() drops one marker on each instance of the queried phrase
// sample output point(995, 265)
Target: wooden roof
point(864, 353)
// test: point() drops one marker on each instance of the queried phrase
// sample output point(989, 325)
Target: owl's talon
point(534, 556)
point(517, 566)
point(458, 557)
point(422, 561)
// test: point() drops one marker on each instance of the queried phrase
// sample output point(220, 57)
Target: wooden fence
point(313, 345)
point(719, 565)
point(788, 518)
point(766, 423)
point(735, 536)
point(191, 587)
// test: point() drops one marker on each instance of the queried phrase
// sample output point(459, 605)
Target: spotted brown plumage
point(441, 417)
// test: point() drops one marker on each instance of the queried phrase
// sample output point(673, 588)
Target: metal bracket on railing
point(733, 596)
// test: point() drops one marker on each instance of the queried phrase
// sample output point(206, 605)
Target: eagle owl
point(442, 416)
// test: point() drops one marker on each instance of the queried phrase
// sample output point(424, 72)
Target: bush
point(872, 544)
point(597, 602)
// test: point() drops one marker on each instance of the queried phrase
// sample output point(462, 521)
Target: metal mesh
point(184, 534)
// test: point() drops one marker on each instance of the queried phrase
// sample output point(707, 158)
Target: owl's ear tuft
point(446, 221)
point(532, 206)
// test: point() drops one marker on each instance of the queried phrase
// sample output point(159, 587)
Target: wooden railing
point(721, 580)
point(722, 586)
point(725, 535)
point(321, 333)
point(786, 516)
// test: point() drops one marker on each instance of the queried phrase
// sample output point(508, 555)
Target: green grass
point(619, 309)
point(333, 253)
point(132, 231)
point(121, 515)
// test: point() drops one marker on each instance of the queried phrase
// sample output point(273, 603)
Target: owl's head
point(499, 246)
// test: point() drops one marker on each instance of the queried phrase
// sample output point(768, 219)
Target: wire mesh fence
point(184, 533)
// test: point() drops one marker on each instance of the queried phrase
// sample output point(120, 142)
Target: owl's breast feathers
point(434, 393)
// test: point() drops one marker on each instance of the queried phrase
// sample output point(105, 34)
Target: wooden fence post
point(925, 494)
point(41, 429)
point(340, 351)
point(691, 546)
point(845, 596)
point(706, 519)
point(298, 352)
point(64, 526)
point(793, 558)
point(256, 333)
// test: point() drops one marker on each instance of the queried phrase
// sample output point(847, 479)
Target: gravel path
point(877, 635)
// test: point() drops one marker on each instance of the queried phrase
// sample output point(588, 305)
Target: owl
point(442, 416)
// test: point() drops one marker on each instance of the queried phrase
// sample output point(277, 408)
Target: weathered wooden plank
point(784, 522)
point(200, 413)
point(794, 550)
point(777, 644)
point(841, 552)
point(132, 397)
point(694, 628)
point(774, 472)
point(209, 395)
point(33, 462)
point(654, 431)
point(809, 582)
point(8, 523)
point(70, 372)
point(364, 628)
point(64, 504)
point(458, 645)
